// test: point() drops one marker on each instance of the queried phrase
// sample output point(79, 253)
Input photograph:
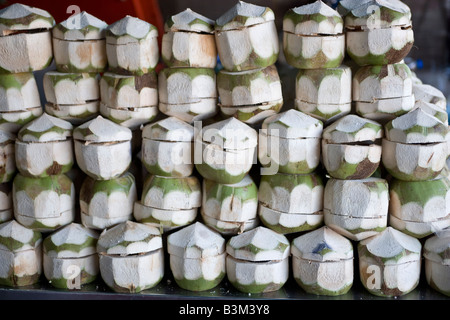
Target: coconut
point(167, 148)
point(389, 263)
point(436, 251)
point(322, 262)
point(26, 30)
point(434, 110)
point(70, 258)
point(414, 147)
point(356, 209)
point(79, 44)
point(229, 228)
point(197, 257)
point(20, 255)
point(44, 204)
point(105, 203)
point(7, 157)
point(258, 260)
point(378, 32)
point(324, 93)
point(6, 203)
point(313, 36)
point(382, 93)
point(188, 41)
point(345, 6)
point(44, 147)
point(246, 37)
point(102, 148)
point(131, 257)
point(351, 147)
point(250, 96)
point(132, 46)
point(189, 94)
point(225, 151)
point(430, 94)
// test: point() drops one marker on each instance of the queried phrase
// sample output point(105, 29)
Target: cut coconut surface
point(8, 166)
point(293, 124)
point(18, 92)
point(81, 26)
point(6, 203)
point(12, 121)
point(436, 252)
point(75, 114)
point(433, 110)
point(430, 94)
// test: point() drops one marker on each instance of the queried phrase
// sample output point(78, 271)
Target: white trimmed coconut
point(20, 255)
point(131, 257)
point(12, 121)
point(79, 44)
point(167, 148)
point(436, 251)
point(389, 263)
point(70, 258)
point(322, 262)
point(44, 147)
point(356, 209)
point(75, 114)
point(6, 202)
point(18, 92)
point(197, 257)
point(189, 94)
point(434, 110)
point(26, 30)
point(7, 156)
point(229, 228)
point(313, 36)
point(246, 37)
point(132, 46)
point(258, 260)
point(189, 41)
point(104, 203)
point(430, 94)
point(102, 148)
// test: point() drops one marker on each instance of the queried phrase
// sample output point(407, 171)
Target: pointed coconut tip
point(191, 21)
point(45, 128)
point(23, 17)
point(433, 110)
point(379, 13)
point(101, 129)
point(428, 93)
point(169, 129)
point(293, 124)
point(16, 237)
point(133, 27)
point(345, 6)
point(437, 247)
point(82, 26)
point(353, 128)
point(242, 15)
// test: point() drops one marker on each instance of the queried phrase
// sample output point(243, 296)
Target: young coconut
point(20, 255)
point(414, 147)
point(225, 151)
point(313, 37)
point(430, 94)
point(258, 260)
point(79, 44)
point(189, 94)
point(7, 157)
point(167, 148)
point(356, 209)
point(102, 148)
point(378, 32)
point(291, 203)
point(197, 257)
point(44, 204)
point(389, 263)
point(246, 37)
point(420, 208)
point(324, 93)
point(382, 93)
point(70, 257)
point(26, 30)
point(351, 147)
point(189, 41)
point(131, 257)
point(251, 95)
point(436, 252)
point(322, 262)
point(6, 203)
point(105, 203)
point(168, 202)
point(434, 110)
point(132, 46)
point(44, 147)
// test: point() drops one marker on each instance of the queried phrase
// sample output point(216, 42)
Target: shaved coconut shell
point(430, 94)
point(190, 21)
point(293, 124)
point(22, 17)
point(18, 92)
point(133, 28)
point(437, 247)
point(169, 129)
point(81, 26)
point(244, 14)
point(16, 238)
point(45, 128)
point(352, 128)
point(101, 130)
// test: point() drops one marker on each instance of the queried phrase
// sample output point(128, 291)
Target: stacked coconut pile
point(314, 43)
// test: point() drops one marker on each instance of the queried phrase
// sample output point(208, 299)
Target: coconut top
point(195, 241)
point(82, 26)
point(259, 244)
point(45, 128)
point(437, 247)
point(22, 17)
point(129, 238)
point(189, 20)
point(169, 129)
point(322, 244)
point(391, 244)
point(71, 241)
point(101, 129)
point(6, 137)
point(132, 27)
point(313, 19)
point(15, 238)
point(230, 134)
point(352, 128)
point(293, 124)
point(416, 126)
point(378, 14)
point(345, 6)
point(430, 94)
point(243, 15)
point(433, 110)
